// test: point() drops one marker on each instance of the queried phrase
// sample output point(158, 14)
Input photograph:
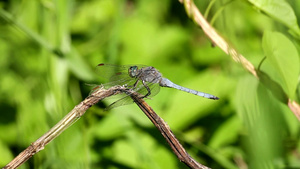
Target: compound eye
point(132, 71)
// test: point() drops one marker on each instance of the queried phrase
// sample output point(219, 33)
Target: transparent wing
point(126, 99)
point(115, 74)
point(108, 70)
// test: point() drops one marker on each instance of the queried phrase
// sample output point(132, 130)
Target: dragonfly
point(146, 80)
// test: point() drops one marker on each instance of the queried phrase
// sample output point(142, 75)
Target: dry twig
point(82, 107)
point(165, 130)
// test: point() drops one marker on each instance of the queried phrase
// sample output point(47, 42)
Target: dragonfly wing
point(125, 100)
point(108, 70)
point(141, 89)
point(113, 75)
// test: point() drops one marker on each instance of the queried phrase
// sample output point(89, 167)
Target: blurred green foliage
point(49, 49)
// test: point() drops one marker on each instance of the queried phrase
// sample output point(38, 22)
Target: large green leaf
point(284, 61)
point(280, 10)
point(261, 115)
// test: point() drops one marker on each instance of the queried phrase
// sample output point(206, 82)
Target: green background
point(49, 49)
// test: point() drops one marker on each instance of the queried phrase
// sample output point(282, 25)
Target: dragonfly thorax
point(149, 74)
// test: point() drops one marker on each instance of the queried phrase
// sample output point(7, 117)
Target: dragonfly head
point(133, 71)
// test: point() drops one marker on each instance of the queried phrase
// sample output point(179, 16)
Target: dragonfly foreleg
point(148, 89)
point(135, 84)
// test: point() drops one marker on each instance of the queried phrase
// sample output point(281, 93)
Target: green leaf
point(79, 66)
point(262, 117)
point(284, 61)
point(279, 10)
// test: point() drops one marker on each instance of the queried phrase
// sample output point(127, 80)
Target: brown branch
point(218, 40)
point(165, 130)
point(82, 107)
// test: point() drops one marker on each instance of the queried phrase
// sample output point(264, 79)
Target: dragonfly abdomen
point(167, 83)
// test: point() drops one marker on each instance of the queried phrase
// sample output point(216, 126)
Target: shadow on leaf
point(273, 86)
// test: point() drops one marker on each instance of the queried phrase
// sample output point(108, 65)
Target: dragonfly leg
point(135, 84)
point(148, 89)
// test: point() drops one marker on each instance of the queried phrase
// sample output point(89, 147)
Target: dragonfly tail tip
point(214, 98)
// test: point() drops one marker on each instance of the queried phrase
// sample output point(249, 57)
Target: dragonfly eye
point(132, 71)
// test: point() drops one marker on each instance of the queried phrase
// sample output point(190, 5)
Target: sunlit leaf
point(284, 60)
point(280, 10)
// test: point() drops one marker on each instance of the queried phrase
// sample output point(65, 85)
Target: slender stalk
point(197, 17)
point(193, 12)
point(31, 34)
